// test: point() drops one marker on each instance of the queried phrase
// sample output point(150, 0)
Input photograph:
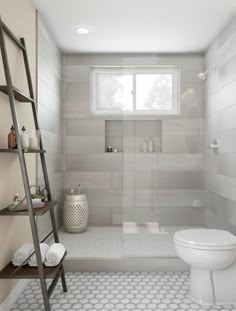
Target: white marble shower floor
point(120, 242)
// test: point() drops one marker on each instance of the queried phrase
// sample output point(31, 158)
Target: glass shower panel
point(140, 208)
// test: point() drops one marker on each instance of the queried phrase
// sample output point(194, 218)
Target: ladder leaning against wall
point(25, 272)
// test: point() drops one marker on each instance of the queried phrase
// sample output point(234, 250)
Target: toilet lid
point(205, 237)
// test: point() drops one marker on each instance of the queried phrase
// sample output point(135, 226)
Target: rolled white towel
point(22, 253)
point(54, 255)
point(43, 249)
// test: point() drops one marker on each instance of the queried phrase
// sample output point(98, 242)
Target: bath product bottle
point(150, 145)
point(24, 138)
point(145, 146)
point(12, 138)
point(16, 199)
point(34, 140)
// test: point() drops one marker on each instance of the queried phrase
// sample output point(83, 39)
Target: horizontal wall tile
point(75, 73)
point(74, 109)
point(225, 141)
point(223, 98)
point(226, 118)
point(116, 180)
point(100, 216)
point(87, 180)
point(180, 162)
point(114, 128)
point(48, 98)
point(212, 221)
point(184, 198)
point(215, 202)
point(226, 164)
point(141, 215)
point(226, 187)
point(147, 128)
point(139, 198)
point(191, 104)
point(49, 121)
point(182, 127)
point(83, 144)
point(180, 180)
point(77, 91)
point(144, 161)
point(117, 216)
point(104, 197)
point(145, 179)
point(51, 141)
point(182, 144)
point(94, 162)
point(181, 216)
point(88, 127)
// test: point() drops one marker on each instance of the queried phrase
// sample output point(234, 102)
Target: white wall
point(50, 119)
point(220, 124)
point(21, 19)
point(169, 181)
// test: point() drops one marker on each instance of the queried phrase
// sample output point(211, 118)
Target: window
point(138, 91)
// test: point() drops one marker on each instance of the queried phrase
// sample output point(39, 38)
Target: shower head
point(203, 75)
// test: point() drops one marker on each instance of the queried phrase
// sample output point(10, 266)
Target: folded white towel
point(43, 249)
point(54, 255)
point(22, 253)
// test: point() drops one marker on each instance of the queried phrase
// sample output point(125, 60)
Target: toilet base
point(201, 287)
point(213, 287)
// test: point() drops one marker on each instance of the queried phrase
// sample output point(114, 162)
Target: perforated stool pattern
point(75, 213)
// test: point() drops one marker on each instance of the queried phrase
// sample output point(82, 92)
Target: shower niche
point(129, 135)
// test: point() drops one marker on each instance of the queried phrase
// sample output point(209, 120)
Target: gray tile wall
point(220, 116)
point(50, 118)
point(132, 185)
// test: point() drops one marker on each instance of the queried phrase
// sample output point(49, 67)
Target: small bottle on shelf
point(145, 146)
point(24, 138)
point(150, 145)
point(11, 139)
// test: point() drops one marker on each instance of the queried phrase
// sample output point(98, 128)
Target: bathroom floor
point(117, 292)
point(121, 241)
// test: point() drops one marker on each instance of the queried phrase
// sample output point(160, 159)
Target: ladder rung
point(27, 272)
point(20, 96)
point(12, 37)
point(24, 150)
point(38, 211)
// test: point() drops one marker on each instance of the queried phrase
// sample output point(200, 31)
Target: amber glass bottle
point(12, 138)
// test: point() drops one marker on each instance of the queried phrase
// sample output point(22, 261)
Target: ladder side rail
point(23, 169)
point(33, 105)
point(11, 35)
point(42, 155)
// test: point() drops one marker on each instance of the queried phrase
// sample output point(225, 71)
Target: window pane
point(114, 92)
point(154, 92)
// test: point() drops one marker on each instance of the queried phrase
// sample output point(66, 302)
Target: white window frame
point(173, 70)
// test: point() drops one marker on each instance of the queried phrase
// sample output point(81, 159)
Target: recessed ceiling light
point(83, 30)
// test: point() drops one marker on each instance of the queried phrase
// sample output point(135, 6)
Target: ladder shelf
point(41, 272)
point(38, 211)
point(18, 95)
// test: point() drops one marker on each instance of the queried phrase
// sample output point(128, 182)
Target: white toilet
point(211, 255)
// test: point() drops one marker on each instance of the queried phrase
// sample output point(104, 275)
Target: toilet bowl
point(211, 255)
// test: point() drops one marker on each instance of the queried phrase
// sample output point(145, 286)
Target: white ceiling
point(159, 26)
